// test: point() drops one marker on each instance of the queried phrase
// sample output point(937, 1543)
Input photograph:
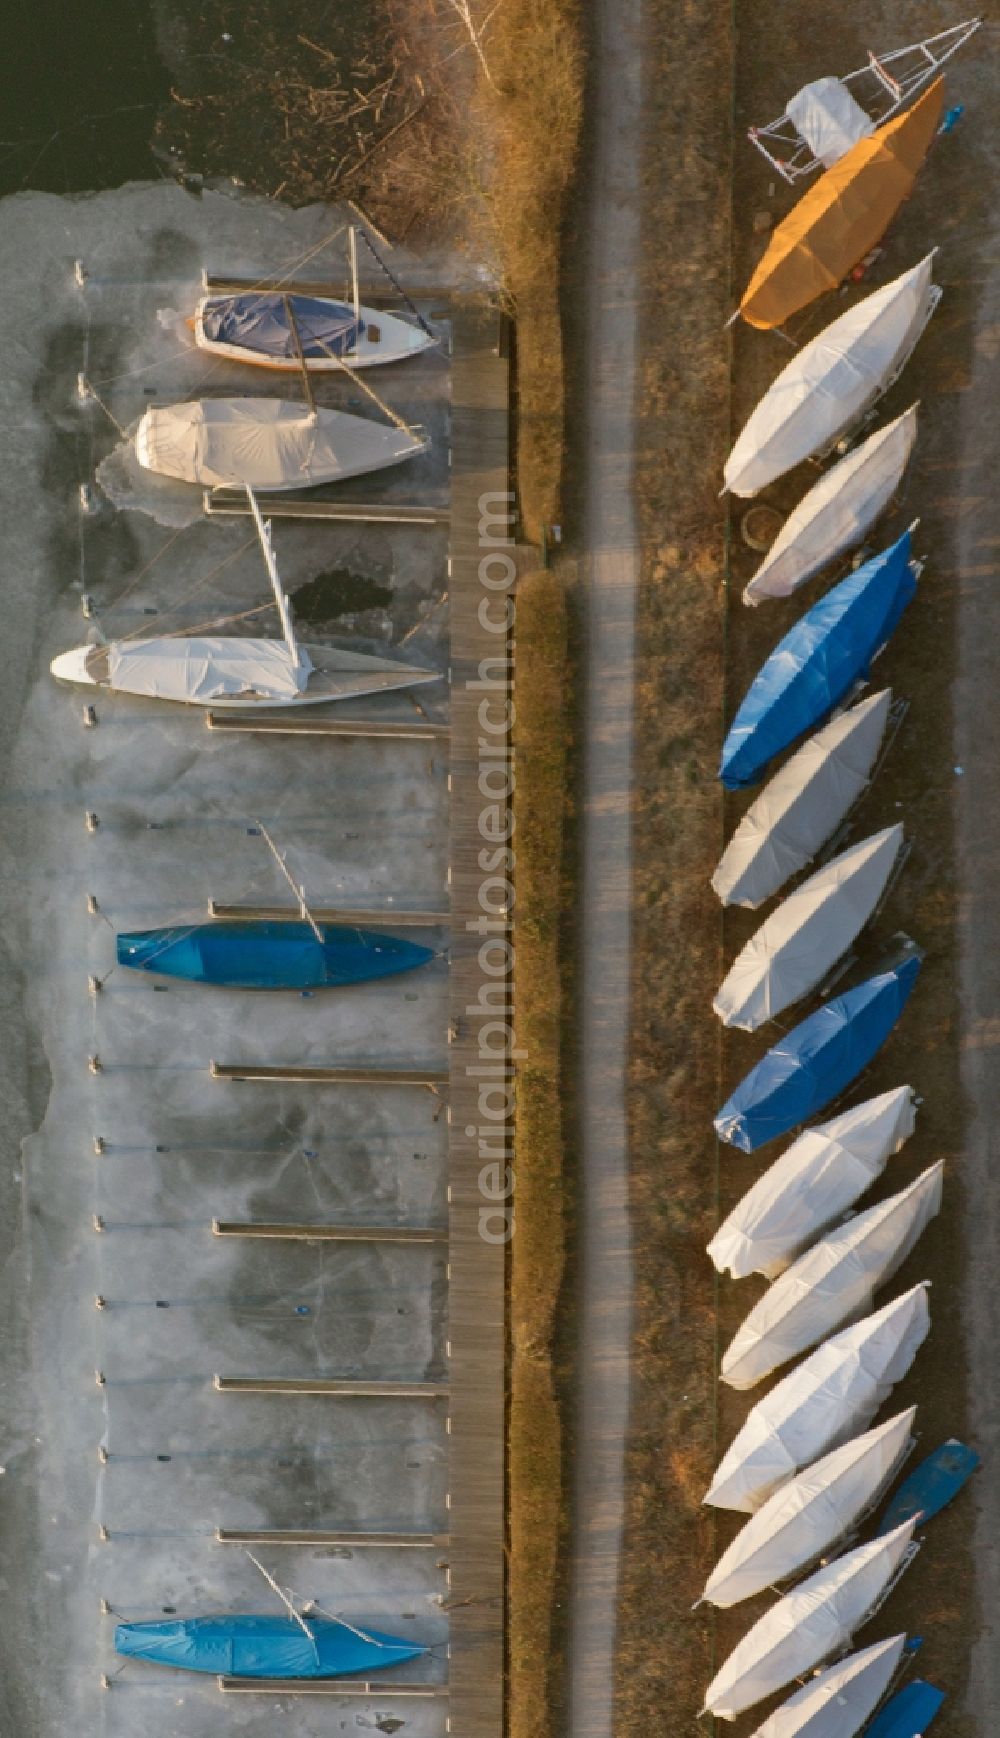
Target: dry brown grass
point(536, 57)
point(537, 1249)
point(665, 1653)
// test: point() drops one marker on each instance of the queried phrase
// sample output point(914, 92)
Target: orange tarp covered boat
point(843, 215)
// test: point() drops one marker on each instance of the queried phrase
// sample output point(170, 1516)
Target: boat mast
point(264, 533)
point(286, 1602)
point(353, 234)
point(293, 327)
point(296, 887)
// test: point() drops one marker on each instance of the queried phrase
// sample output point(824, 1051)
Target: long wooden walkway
point(476, 1266)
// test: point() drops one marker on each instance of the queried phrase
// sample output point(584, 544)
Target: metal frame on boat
point(883, 86)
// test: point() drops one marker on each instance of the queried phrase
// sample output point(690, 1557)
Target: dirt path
point(610, 569)
point(977, 752)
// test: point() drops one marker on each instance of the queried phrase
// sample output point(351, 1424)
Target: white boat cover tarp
point(834, 1281)
point(802, 804)
point(808, 1188)
point(266, 442)
point(810, 1513)
point(831, 381)
point(207, 669)
point(811, 929)
point(827, 117)
point(834, 1392)
point(807, 1625)
point(837, 1702)
point(837, 511)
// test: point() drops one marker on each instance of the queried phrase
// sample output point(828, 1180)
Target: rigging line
point(186, 350)
point(143, 629)
point(362, 1634)
point(142, 574)
point(397, 286)
point(257, 288)
point(219, 621)
point(109, 414)
point(300, 1620)
point(372, 394)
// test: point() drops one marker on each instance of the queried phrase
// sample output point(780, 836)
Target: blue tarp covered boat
point(931, 1485)
point(262, 1647)
point(817, 663)
point(253, 326)
point(816, 1061)
point(258, 321)
point(254, 955)
point(909, 1713)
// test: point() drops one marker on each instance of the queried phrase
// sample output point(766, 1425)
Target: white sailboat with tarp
point(808, 1189)
point(832, 382)
point(837, 511)
point(809, 932)
point(287, 329)
point(834, 1392)
point(812, 1512)
point(803, 804)
point(237, 674)
point(824, 119)
point(809, 1624)
point(833, 1281)
point(269, 443)
point(836, 1703)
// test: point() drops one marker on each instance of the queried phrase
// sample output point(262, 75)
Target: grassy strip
point(664, 1657)
point(536, 59)
point(537, 1249)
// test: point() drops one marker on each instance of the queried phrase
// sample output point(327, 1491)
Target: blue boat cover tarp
point(930, 1486)
point(254, 955)
point(817, 663)
point(259, 321)
point(816, 1061)
point(262, 1647)
point(909, 1713)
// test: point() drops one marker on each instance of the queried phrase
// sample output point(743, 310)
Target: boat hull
point(262, 1647)
point(269, 444)
point(335, 675)
point(268, 955)
point(396, 341)
point(931, 1486)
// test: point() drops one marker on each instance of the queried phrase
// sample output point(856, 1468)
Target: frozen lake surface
point(156, 1456)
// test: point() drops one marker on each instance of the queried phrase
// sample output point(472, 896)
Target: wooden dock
point(381, 919)
point(366, 1689)
point(233, 503)
point(305, 1233)
point(305, 1536)
point(332, 1387)
point(476, 1306)
point(429, 1077)
point(278, 724)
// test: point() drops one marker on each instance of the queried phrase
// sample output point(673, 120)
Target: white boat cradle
point(237, 674)
point(811, 929)
point(833, 381)
point(825, 118)
point(803, 804)
point(838, 510)
point(814, 1511)
point(833, 1281)
point(812, 1185)
point(836, 1703)
point(833, 1393)
point(269, 443)
point(809, 1624)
